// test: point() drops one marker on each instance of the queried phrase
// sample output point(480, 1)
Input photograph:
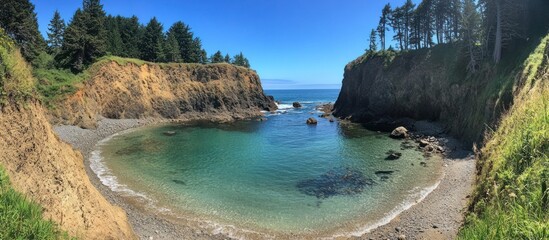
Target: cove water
point(278, 176)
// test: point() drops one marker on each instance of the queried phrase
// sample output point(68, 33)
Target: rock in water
point(399, 132)
point(169, 133)
point(335, 182)
point(312, 121)
point(296, 105)
point(392, 155)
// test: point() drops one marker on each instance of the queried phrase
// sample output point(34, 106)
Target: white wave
point(284, 106)
point(105, 175)
point(412, 200)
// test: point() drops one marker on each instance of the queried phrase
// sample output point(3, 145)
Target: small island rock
point(312, 121)
point(296, 105)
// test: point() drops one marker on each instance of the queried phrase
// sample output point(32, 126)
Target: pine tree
point(373, 42)
point(196, 52)
point(115, 46)
point(227, 58)
point(470, 31)
point(397, 23)
point(85, 37)
point(18, 19)
point(173, 53)
point(184, 38)
point(152, 42)
point(56, 30)
point(131, 33)
point(240, 60)
point(383, 23)
point(217, 57)
point(407, 11)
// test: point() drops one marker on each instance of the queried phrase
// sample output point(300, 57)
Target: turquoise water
point(278, 176)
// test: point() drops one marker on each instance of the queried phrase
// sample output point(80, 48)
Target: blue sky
point(291, 43)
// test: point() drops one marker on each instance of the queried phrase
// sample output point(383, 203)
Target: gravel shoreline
point(438, 216)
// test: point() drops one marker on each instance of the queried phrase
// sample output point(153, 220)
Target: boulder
point(312, 121)
point(399, 132)
point(296, 105)
point(423, 143)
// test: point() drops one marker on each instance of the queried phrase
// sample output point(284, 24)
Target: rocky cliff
point(430, 84)
point(44, 168)
point(128, 89)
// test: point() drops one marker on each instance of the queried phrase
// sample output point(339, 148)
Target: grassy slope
point(19, 217)
point(511, 197)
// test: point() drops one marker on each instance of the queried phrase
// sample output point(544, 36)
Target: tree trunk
point(497, 44)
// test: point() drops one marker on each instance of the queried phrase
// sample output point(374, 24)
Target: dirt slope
point(139, 90)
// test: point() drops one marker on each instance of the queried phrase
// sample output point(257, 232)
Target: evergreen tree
point(470, 29)
point(56, 30)
point(217, 57)
point(383, 23)
point(131, 33)
point(227, 58)
point(203, 56)
point(240, 60)
point(152, 43)
point(197, 54)
point(397, 23)
point(184, 38)
point(173, 53)
point(84, 39)
point(18, 19)
point(115, 46)
point(373, 42)
point(407, 14)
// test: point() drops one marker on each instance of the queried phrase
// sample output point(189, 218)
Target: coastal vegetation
point(60, 62)
point(21, 218)
point(482, 68)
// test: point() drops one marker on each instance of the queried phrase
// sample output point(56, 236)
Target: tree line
point(91, 34)
point(484, 28)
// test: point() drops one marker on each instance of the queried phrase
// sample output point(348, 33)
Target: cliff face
point(131, 90)
point(42, 167)
point(51, 173)
point(426, 84)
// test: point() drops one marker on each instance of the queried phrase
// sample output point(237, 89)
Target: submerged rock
point(169, 133)
point(296, 105)
point(312, 121)
point(399, 132)
point(392, 155)
point(335, 182)
point(179, 182)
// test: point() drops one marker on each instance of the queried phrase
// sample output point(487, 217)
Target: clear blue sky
point(291, 43)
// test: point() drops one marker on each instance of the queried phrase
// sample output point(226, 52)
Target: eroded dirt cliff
point(44, 168)
point(172, 91)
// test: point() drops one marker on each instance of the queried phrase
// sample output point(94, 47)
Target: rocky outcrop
point(171, 91)
point(423, 85)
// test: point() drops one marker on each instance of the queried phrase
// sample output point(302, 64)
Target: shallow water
point(276, 176)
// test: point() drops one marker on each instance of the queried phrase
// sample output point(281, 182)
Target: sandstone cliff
point(42, 167)
point(426, 84)
point(139, 90)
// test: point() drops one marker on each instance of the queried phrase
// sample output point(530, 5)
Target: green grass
point(16, 81)
point(21, 218)
point(511, 199)
point(56, 84)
